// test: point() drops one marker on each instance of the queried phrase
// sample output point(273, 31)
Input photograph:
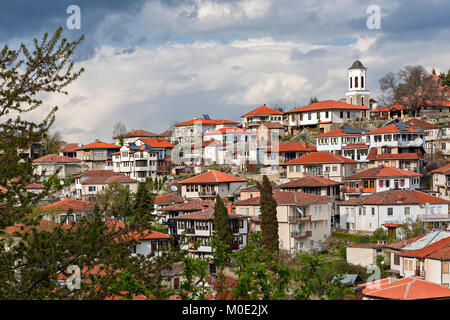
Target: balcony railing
point(301, 234)
point(206, 193)
point(299, 218)
point(434, 217)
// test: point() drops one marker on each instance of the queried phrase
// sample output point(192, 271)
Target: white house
point(208, 185)
point(254, 118)
point(49, 164)
point(304, 220)
point(441, 181)
point(367, 213)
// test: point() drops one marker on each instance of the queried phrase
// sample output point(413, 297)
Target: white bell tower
point(357, 92)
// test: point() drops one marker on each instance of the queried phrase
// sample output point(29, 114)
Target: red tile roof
point(118, 178)
point(392, 128)
point(288, 197)
point(158, 143)
point(337, 133)
point(204, 122)
point(292, 146)
point(227, 130)
point(98, 145)
point(444, 169)
point(213, 177)
point(206, 214)
point(190, 205)
point(320, 157)
point(262, 110)
point(54, 158)
point(97, 173)
point(405, 289)
point(382, 171)
point(437, 250)
point(168, 199)
point(372, 155)
point(356, 146)
point(327, 105)
point(140, 133)
point(391, 197)
point(145, 235)
point(67, 203)
point(403, 243)
point(309, 181)
point(34, 186)
point(422, 124)
point(69, 148)
point(393, 107)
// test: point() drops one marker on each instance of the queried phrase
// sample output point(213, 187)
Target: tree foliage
point(269, 221)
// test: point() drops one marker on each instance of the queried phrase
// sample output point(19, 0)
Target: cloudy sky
point(152, 62)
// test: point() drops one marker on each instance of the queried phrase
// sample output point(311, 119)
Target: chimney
point(399, 197)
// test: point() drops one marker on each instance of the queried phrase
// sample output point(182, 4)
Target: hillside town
point(341, 172)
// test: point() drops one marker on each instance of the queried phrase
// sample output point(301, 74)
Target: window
point(334, 168)
point(309, 116)
point(356, 82)
point(396, 259)
point(362, 98)
point(381, 183)
point(326, 114)
point(387, 183)
point(372, 184)
point(366, 184)
point(364, 211)
point(341, 114)
point(407, 211)
point(390, 211)
point(362, 85)
point(373, 211)
point(351, 82)
point(91, 188)
point(445, 268)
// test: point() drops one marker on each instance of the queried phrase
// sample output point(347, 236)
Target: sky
point(150, 63)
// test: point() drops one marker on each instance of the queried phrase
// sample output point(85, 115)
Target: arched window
point(362, 101)
point(350, 82)
point(351, 100)
point(356, 82)
point(362, 82)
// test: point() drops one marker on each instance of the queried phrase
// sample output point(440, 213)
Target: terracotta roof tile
point(444, 169)
point(97, 173)
point(203, 122)
point(158, 143)
point(392, 197)
point(140, 133)
point(293, 146)
point(320, 157)
point(206, 214)
point(98, 145)
point(67, 203)
point(189, 205)
point(392, 128)
point(213, 177)
point(288, 197)
point(406, 289)
point(168, 199)
point(422, 124)
point(262, 110)
point(50, 158)
point(382, 171)
point(69, 148)
point(327, 105)
point(119, 178)
point(309, 181)
point(438, 250)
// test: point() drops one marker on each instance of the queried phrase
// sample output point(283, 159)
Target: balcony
point(434, 217)
point(207, 193)
point(301, 234)
point(298, 219)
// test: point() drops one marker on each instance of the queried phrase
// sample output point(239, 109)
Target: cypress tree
point(222, 224)
point(269, 222)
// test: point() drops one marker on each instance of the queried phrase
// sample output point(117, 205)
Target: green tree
point(117, 198)
point(313, 100)
point(222, 226)
point(52, 142)
point(269, 222)
point(412, 229)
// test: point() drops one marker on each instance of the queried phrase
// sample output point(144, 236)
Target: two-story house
point(323, 114)
point(397, 145)
point(441, 181)
point(97, 155)
point(304, 220)
point(379, 179)
point(196, 231)
point(133, 135)
point(48, 165)
point(430, 130)
point(345, 141)
point(208, 185)
point(323, 164)
point(367, 213)
point(254, 118)
point(314, 185)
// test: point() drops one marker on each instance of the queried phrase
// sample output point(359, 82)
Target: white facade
point(370, 217)
point(138, 165)
point(310, 118)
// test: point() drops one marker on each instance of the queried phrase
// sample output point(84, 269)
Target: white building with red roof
point(208, 185)
point(69, 150)
point(395, 207)
point(133, 135)
point(441, 181)
point(254, 118)
point(196, 231)
point(345, 141)
point(379, 179)
point(314, 185)
point(193, 131)
point(323, 113)
point(68, 210)
point(48, 165)
point(304, 220)
point(397, 145)
point(323, 164)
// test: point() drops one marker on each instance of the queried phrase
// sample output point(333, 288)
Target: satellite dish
point(174, 188)
point(61, 182)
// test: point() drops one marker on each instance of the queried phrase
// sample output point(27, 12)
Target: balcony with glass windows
point(301, 234)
